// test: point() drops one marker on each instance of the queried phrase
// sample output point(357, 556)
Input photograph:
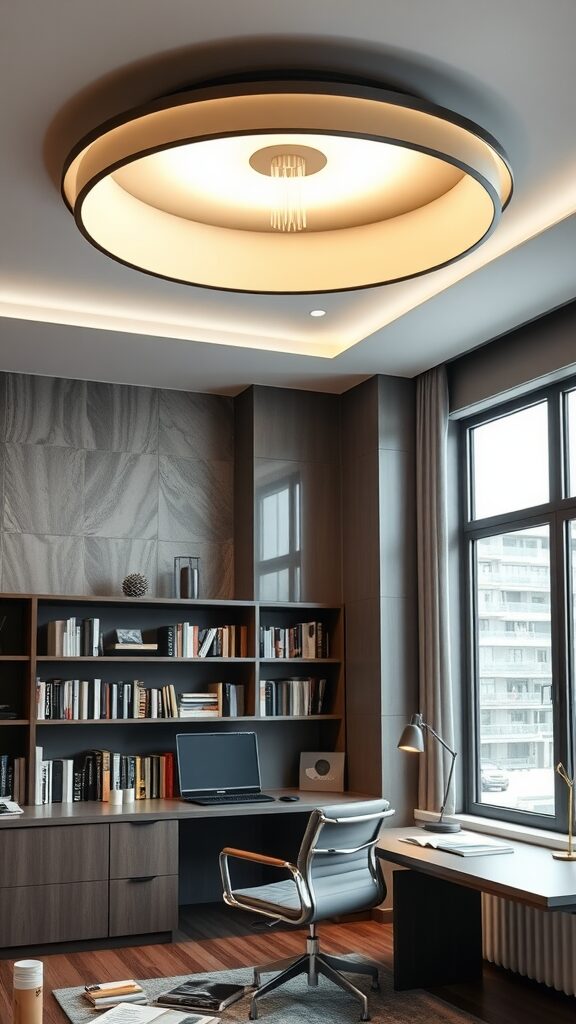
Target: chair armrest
point(257, 858)
point(230, 852)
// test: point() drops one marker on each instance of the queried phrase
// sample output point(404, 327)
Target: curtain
point(435, 684)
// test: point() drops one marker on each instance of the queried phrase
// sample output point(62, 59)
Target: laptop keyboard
point(231, 798)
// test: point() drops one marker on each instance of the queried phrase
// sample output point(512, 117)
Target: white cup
point(115, 798)
point(128, 795)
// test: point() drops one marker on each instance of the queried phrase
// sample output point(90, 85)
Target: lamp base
point(564, 856)
point(442, 826)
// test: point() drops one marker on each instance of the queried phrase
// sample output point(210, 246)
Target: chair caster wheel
point(365, 1016)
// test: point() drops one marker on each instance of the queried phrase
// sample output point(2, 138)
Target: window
point(520, 539)
point(278, 539)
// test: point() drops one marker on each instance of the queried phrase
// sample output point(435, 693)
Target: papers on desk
point(9, 806)
point(463, 844)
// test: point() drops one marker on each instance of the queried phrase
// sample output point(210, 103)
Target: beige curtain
point(433, 617)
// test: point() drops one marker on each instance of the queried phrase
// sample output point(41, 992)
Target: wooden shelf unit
point(23, 653)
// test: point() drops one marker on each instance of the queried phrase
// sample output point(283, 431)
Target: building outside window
point(520, 549)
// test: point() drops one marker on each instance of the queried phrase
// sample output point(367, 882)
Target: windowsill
point(506, 829)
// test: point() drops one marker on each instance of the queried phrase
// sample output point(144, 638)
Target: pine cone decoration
point(135, 585)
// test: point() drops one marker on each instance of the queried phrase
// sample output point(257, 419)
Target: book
point(463, 844)
point(202, 995)
point(128, 1013)
point(109, 993)
point(119, 648)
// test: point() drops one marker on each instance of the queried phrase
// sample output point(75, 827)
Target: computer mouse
point(288, 799)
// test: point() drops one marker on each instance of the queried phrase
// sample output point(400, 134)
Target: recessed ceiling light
point(317, 312)
point(287, 186)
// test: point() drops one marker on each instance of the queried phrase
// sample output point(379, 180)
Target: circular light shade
point(179, 189)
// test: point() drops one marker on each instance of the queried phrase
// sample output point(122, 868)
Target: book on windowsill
point(463, 844)
point(128, 1013)
point(202, 995)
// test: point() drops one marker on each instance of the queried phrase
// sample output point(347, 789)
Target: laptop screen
point(214, 762)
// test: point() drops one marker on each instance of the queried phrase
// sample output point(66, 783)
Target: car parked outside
point(492, 777)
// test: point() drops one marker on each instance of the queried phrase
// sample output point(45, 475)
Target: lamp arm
point(439, 738)
point(453, 755)
point(447, 790)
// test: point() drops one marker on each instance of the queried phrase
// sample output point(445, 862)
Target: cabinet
point(143, 877)
point(24, 659)
point(53, 884)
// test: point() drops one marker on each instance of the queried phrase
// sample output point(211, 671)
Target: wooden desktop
point(437, 902)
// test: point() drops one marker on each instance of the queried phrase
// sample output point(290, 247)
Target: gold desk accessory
point(569, 853)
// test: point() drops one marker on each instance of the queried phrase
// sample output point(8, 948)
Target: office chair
point(336, 872)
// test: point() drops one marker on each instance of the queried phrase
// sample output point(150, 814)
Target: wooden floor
point(215, 938)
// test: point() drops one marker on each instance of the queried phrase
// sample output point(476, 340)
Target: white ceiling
point(65, 66)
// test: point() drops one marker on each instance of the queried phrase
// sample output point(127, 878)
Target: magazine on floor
point(128, 1013)
point(202, 995)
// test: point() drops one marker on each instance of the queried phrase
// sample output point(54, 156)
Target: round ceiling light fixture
point(287, 187)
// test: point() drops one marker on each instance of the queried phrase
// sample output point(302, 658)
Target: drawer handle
point(143, 878)
point(138, 824)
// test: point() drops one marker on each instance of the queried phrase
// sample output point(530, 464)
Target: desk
point(89, 871)
point(437, 903)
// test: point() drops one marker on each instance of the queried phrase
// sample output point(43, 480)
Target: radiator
point(538, 944)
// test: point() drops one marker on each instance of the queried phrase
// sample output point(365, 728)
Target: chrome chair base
point(313, 963)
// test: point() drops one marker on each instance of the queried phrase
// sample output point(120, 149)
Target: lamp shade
point(389, 186)
point(412, 738)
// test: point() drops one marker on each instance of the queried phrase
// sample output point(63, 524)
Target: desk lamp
point(412, 740)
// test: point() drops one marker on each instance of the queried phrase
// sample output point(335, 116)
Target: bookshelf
point(310, 724)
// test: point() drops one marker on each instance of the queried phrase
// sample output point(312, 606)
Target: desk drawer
point(34, 914)
point(143, 848)
point(52, 854)
point(139, 905)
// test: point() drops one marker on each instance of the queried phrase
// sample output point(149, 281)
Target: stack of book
point(198, 705)
point(110, 993)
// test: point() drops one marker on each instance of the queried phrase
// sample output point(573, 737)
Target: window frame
point(557, 514)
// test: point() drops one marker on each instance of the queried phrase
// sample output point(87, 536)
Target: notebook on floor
point(219, 768)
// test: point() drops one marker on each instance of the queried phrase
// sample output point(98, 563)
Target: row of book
point(73, 638)
point(304, 640)
point(91, 774)
point(293, 697)
point(13, 777)
point(188, 640)
point(78, 700)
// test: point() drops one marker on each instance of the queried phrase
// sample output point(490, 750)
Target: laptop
point(219, 768)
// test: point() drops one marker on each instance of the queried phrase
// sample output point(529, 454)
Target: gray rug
point(295, 1003)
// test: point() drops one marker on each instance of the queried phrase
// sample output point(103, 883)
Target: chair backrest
point(337, 858)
